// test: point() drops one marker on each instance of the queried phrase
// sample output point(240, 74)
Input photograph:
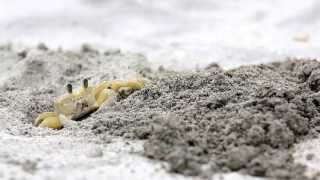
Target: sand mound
point(245, 119)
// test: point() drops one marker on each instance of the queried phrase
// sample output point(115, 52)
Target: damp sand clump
point(246, 119)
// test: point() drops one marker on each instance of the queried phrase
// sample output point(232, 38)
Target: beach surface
point(184, 49)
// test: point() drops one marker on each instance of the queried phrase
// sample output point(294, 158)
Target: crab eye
point(69, 88)
point(85, 83)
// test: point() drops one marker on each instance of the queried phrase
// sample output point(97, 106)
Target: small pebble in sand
point(106, 139)
point(302, 38)
point(310, 156)
point(29, 166)
point(86, 48)
point(42, 47)
point(23, 54)
point(94, 153)
point(110, 52)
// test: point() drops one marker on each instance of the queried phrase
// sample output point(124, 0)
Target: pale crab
point(77, 105)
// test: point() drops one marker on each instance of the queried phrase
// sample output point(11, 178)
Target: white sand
point(176, 34)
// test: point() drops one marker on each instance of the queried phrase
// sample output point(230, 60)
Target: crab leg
point(134, 85)
point(49, 120)
point(107, 89)
point(104, 95)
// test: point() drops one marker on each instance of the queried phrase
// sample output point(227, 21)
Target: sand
point(199, 124)
point(245, 119)
point(31, 79)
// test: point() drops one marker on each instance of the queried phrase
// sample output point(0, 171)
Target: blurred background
point(179, 34)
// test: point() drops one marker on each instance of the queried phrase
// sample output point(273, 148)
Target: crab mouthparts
point(84, 114)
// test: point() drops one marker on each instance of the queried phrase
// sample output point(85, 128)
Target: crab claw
point(48, 120)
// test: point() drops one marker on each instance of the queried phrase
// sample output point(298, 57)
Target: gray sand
point(201, 123)
point(246, 119)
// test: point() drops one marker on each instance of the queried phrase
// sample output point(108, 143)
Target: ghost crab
point(76, 105)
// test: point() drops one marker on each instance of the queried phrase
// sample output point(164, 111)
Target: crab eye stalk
point(69, 88)
point(85, 83)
